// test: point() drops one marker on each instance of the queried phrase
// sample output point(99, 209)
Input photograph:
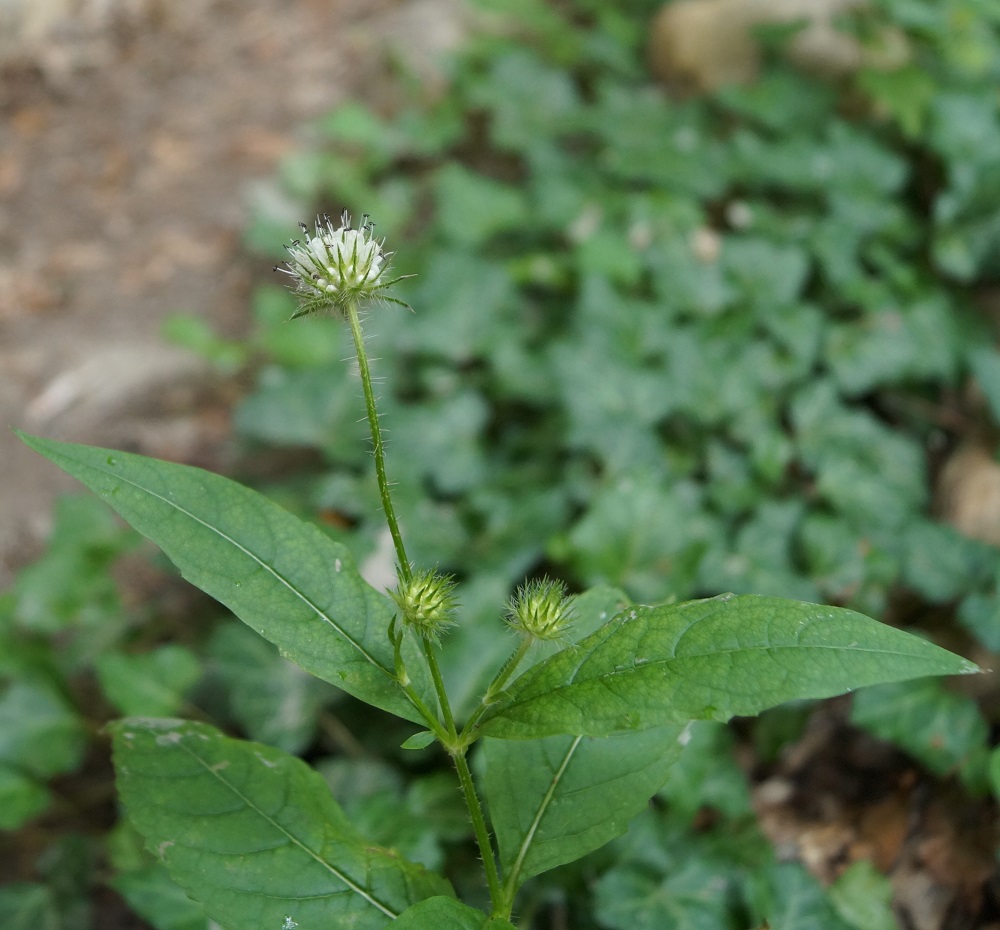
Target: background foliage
point(677, 346)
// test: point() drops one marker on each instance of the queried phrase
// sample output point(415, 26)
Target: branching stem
point(448, 733)
point(496, 686)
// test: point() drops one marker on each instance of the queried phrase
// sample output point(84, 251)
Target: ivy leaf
point(272, 699)
point(152, 894)
point(554, 800)
point(305, 407)
point(41, 735)
point(28, 906)
point(253, 834)
point(862, 896)
point(281, 576)
point(694, 897)
point(985, 364)
point(789, 898)
point(21, 797)
point(153, 683)
point(472, 208)
point(945, 731)
point(706, 775)
point(709, 659)
point(638, 534)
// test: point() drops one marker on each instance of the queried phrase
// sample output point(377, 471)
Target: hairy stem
point(481, 831)
point(496, 686)
point(406, 574)
point(383, 483)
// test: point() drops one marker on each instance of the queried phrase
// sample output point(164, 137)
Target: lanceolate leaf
point(282, 577)
point(448, 914)
point(709, 659)
point(254, 835)
point(554, 800)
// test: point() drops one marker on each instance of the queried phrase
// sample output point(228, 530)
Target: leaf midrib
point(294, 840)
point(543, 806)
point(257, 559)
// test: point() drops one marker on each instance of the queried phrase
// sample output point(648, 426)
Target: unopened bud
point(540, 609)
point(426, 602)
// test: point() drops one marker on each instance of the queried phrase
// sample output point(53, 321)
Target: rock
point(968, 491)
point(706, 44)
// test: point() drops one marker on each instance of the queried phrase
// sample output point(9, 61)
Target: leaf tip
point(970, 668)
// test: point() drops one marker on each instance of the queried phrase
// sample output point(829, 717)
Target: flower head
point(540, 609)
point(337, 265)
point(427, 602)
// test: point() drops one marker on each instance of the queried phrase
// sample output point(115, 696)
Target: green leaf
point(273, 700)
point(942, 729)
point(640, 534)
point(420, 740)
point(21, 798)
point(413, 820)
point(903, 93)
point(863, 897)
point(709, 659)
point(28, 906)
point(440, 441)
point(69, 587)
point(280, 576)
point(152, 684)
point(529, 100)
point(994, 766)
point(447, 914)
point(554, 800)
point(765, 274)
point(253, 834)
point(155, 897)
point(892, 345)
point(472, 208)
point(942, 564)
point(985, 365)
point(455, 283)
point(706, 774)
point(789, 898)
point(194, 333)
point(305, 407)
point(693, 897)
point(313, 342)
point(40, 734)
point(979, 614)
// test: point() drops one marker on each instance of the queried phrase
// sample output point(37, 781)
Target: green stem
point(457, 751)
point(482, 833)
point(383, 483)
point(442, 694)
point(496, 686)
point(406, 574)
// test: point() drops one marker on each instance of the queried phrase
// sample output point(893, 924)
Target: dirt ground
point(134, 138)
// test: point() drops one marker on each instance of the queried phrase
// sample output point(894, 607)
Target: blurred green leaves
point(707, 311)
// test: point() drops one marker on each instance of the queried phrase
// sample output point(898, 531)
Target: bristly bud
point(426, 602)
point(541, 609)
point(338, 265)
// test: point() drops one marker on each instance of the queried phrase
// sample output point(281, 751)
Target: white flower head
point(338, 265)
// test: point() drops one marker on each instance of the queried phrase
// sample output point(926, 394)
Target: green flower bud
point(540, 609)
point(426, 602)
point(337, 265)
